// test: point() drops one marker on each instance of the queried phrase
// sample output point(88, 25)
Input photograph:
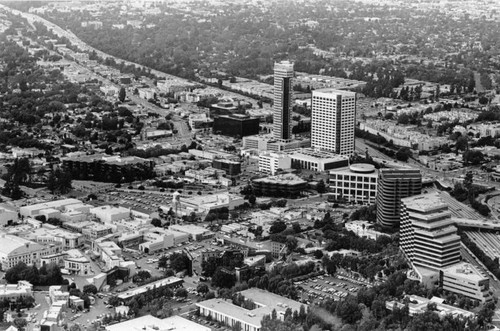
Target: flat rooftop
point(328, 92)
point(142, 289)
point(464, 270)
point(265, 301)
point(289, 179)
point(150, 323)
point(424, 202)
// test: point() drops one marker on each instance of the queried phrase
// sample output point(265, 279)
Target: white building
point(317, 160)
point(333, 120)
point(76, 263)
point(13, 291)
point(14, 249)
point(357, 183)
point(463, 278)
point(270, 162)
point(7, 216)
point(35, 210)
point(150, 323)
point(108, 214)
point(250, 320)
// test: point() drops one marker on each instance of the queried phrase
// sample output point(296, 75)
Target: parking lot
point(323, 287)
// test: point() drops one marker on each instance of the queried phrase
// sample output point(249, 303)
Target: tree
point(403, 154)
point(223, 278)
point(122, 94)
point(75, 327)
point(278, 226)
point(321, 187)
point(156, 222)
point(90, 289)
point(252, 199)
point(179, 261)
point(181, 292)
point(114, 301)
point(202, 288)
point(291, 243)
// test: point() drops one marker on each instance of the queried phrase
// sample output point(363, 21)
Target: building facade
point(282, 106)
point(393, 185)
point(270, 162)
point(236, 125)
point(357, 183)
point(428, 236)
point(316, 160)
point(465, 279)
point(333, 120)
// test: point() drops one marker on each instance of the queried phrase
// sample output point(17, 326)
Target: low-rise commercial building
point(8, 216)
point(271, 162)
point(317, 160)
point(419, 305)
point(108, 214)
point(170, 282)
point(35, 210)
point(230, 314)
point(150, 323)
point(12, 292)
point(236, 125)
point(14, 249)
point(464, 279)
point(286, 185)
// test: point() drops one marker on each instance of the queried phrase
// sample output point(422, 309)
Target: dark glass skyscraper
point(282, 107)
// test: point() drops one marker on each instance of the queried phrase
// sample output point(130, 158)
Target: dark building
point(232, 168)
point(104, 168)
point(394, 185)
point(282, 186)
point(236, 125)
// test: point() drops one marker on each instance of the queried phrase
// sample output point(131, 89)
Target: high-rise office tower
point(282, 107)
point(394, 185)
point(427, 235)
point(333, 120)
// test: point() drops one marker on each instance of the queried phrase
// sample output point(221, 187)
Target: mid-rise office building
point(428, 236)
point(356, 183)
point(236, 125)
point(270, 162)
point(393, 185)
point(282, 106)
point(333, 120)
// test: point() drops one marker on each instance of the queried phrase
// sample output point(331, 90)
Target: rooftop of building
point(288, 179)
point(189, 228)
point(318, 154)
point(425, 202)
point(12, 243)
point(144, 288)
point(390, 173)
point(150, 323)
point(328, 92)
point(464, 270)
point(52, 204)
point(363, 169)
point(265, 301)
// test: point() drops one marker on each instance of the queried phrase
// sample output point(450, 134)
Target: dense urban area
point(251, 165)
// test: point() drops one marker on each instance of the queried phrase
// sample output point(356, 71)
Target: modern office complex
point(282, 119)
point(465, 279)
point(357, 183)
point(428, 236)
point(264, 303)
point(286, 185)
point(393, 185)
point(333, 120)
point(236, 125)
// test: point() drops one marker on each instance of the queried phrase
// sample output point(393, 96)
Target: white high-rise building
point(333, 120)
point(282, 106)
